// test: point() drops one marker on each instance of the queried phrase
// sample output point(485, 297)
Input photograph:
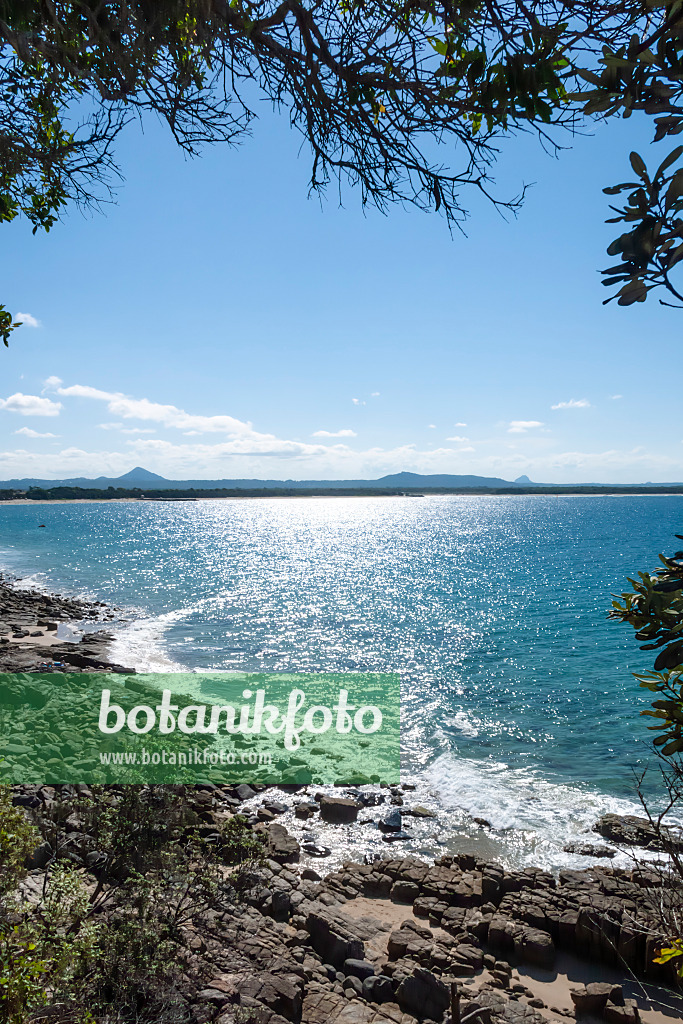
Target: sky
point(216, 322)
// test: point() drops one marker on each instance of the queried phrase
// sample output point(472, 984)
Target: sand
point(655, 1004)
point(64, 501)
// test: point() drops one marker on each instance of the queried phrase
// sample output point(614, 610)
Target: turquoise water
point(518, 704)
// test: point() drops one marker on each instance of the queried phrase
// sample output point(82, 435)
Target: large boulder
point(591, 998)
point(535, 947)
point(280, 845)
point(410, 942)
point(423, 994)
point(361, 969)
point(378, 989)
point(281, 993)
point(391, 822)
point(338, 810)
point(330, 939)
point(404, 892)
point(629, 830)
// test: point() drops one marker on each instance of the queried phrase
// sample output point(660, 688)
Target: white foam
point(139, 644)
point(533, 817)
point(462, 723)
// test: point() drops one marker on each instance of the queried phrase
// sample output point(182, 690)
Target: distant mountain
point(142, 478)
point(439, 480)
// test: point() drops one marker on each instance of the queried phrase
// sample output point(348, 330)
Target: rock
point(309, 875)
point(404, 892)
point(315, 849)
point(281, 993)
point(280, 905)
point(275, 807)
point(591, 998)
point(31, 800)
point(353, 984)
point(244, 792)
point(589, 850)
point(358, 969)
point(41, 856)
point(633, 831)
point(471, 955)
point(536, 947)
point(338, 810)
point(95, 859)
point(391, 823)
point(423, 994)
point(280, 845)
point(212, 995)
point(410, 941)
point(419, 812)
point(378, 989)
point(305, 811)
point(616, 996)
point(330, 939)
point(626, 1014)
point(322, 1006)
point(396, 837)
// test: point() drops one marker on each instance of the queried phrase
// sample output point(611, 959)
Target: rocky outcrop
point(294, 950)
point(629, 830)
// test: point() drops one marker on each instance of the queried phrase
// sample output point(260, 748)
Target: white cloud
point(615, 398)
point(458, 440)
point(374, 394)
point(357, 401)
point(431, 426)
point(27, 320)
point(461, 424)
point(132, 430)
point(30, 405)
point(334, 433)
point(573, 403)
point(229, 459)
point(168, 415)
point(521, 426)
point(51, 383)
point(29, 432)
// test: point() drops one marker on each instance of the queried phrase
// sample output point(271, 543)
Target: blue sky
point(216, 322)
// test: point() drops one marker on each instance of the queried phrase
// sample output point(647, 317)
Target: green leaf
point(638, 165)
point(669, 160)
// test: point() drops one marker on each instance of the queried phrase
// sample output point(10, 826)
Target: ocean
point(518, 702)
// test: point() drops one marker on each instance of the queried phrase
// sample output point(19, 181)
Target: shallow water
point(518, 705)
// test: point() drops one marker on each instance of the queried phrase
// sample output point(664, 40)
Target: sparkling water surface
point(518, 704)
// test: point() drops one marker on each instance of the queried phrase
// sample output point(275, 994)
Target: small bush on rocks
point(102, 934)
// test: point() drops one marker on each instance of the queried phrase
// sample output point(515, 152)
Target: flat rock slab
point(324, 1007)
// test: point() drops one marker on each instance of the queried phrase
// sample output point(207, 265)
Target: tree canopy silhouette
point(403, 99)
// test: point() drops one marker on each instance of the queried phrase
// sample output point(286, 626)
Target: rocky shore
point(398, 940)
point(29, 622)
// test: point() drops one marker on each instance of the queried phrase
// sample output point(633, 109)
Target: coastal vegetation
point(405, 100)
point(110, 943)
point(654, 608)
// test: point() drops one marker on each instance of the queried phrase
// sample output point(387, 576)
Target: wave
point(532, 818)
